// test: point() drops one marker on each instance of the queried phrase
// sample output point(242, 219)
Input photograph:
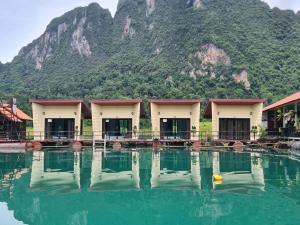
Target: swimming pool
point(145, 187)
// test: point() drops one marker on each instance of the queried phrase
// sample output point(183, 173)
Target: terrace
point(283, 117)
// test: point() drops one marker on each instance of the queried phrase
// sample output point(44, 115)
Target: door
point(175, 128)
point(116, 128)
point(234, 129)
point(59, 128)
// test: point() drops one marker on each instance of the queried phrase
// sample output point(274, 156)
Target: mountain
point(162, 49)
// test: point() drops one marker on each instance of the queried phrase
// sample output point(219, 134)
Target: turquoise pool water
point(171, 187)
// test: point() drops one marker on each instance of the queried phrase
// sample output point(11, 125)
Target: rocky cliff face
point(242, 77)
point(161, 49)
point(205, 61)
point(72, 32)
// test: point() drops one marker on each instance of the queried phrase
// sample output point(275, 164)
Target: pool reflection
point(175, 170)
point(63, 187)
point(59, 171)
point(115, 171)
point(241, 173)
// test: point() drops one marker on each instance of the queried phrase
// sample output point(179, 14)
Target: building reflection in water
point(175, 170)
point(59, 171)
point(241, 172)
point(115, 171)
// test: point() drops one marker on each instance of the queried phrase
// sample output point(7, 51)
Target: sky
point(22, 21)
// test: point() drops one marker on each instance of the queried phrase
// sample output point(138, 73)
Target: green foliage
point(262, 41)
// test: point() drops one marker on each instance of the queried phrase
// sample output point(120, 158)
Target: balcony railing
point(67, 136)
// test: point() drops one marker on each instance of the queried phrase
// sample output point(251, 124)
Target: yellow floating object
point(218, 182)
point(217, 178)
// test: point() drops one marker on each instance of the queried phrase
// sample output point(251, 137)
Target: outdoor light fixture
point(158, 113)
point(251, 113)
point(44, 113)
point(191, 113)
point(75, 113)
point(218, 113)
point(132, 113)
point(100, 113)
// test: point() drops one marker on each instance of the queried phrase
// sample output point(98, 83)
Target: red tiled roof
point(286, 101)
point(57, 101)
point(21, 115)
point(174, 101)
point(208, 112)
point(112, 102)
point(18, 116)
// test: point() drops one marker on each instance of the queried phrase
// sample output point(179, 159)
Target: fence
point(68, 136)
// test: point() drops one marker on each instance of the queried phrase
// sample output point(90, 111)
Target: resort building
point(51, 170)
point(116, 119)
point(58, 120)
point(175, 119)
point(235, 119)
point(184, 173)
point(283, 117)
point(117, 171)
point(12, 122)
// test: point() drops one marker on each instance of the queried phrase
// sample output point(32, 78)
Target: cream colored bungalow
point(235, 119)
point(116, 119)
point(57, 119)
point(175, 119)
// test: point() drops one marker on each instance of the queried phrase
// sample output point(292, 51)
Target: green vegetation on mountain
point(162, 49)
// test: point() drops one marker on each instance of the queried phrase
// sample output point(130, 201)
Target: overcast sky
point(22, 21)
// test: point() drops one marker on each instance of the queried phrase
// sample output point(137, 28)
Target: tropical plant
point(288, 117)
point(194, 130)
point(254, 130)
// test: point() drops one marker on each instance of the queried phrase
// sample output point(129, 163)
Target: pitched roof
point(113, 102)
point(286, 101)
point(174, 101)
point(18, 116)
point(208, 112)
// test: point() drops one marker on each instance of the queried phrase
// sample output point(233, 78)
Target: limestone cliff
point(161, 49)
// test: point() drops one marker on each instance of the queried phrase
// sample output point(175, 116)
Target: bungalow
point(116, 119)
point(57, 119)
point(234, 119)
point(175, 119)
point(283, 117)
point(12, 122)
